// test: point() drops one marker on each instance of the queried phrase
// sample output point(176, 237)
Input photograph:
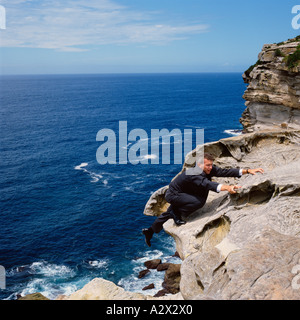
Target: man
point(188, 192)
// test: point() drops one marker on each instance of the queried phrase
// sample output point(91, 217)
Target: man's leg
point(185, 204)
point(176, 215)
point(148, 233)
point(157, 225)
point(172, 199)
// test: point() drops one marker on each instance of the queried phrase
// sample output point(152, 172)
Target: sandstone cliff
point(247, 246)
point(244, 246)
point(273, 94)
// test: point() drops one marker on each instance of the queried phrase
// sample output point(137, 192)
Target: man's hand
point(230, 189)
point(254, 171)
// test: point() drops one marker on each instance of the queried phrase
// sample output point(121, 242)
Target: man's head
point(206, 163)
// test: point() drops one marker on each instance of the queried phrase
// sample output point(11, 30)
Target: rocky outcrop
point(101, 289)
point(245, 246)
point(34, 296)
point(172, 279)
point(273, 93)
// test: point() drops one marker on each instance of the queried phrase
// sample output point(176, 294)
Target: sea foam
point(95, 176)
point(233, 132)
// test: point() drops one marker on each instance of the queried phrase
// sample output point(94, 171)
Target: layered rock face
point(273, 94)
point(246, 246)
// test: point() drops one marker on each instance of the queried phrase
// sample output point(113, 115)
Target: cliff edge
point(247, 245)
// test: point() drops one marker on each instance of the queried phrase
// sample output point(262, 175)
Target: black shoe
point(148, 236)
point(178, 221)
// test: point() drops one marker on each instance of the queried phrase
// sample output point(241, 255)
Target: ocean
point(66, 218)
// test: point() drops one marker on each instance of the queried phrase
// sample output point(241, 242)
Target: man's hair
point(208, 156)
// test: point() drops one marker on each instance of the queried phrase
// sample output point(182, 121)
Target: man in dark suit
point(188, 192)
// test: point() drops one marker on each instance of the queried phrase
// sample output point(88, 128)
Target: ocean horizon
point(67, 219)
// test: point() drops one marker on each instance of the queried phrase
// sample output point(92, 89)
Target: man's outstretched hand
point(254, 171)
point(230, 189)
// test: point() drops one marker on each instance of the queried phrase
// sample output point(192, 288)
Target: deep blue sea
point(65, 218)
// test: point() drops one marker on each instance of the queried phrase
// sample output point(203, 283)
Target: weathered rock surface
point(34, 296)
point(152, 264)
point(245, 246)
point(100, 289)
point(172, 278)
point(273, 94)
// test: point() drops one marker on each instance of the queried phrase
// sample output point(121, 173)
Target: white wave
point(233, 132)
point(48, 288)
point(144, 139)
point(142, 158)
point(128, 144)
point(49, 279)
point(84, 164)
point(51, 289)
point(131, 189)
point(51, 270)
point(149, 255)
point(52, 280)
point(195, 127)
point(99, 264)
point(133, 284)
point(149, 156)
point(95, 176)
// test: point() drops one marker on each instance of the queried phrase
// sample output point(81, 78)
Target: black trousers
point(181, 204)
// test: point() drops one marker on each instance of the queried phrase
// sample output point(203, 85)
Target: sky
point(139, 36)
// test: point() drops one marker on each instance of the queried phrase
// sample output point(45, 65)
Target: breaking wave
point(95, 176)
point(233, 132)
point(50, 279)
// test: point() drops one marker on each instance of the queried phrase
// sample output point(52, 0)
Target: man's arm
point(252, 171)
point(202, 181)
point(232, 188)
point(234, 172)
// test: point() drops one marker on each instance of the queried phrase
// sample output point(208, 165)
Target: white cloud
point(76, 25)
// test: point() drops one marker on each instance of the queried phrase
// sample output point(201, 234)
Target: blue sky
point(116, 36)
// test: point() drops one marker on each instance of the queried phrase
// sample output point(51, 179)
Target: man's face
point(206, 166)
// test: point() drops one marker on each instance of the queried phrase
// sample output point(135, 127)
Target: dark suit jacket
point(198, 183)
